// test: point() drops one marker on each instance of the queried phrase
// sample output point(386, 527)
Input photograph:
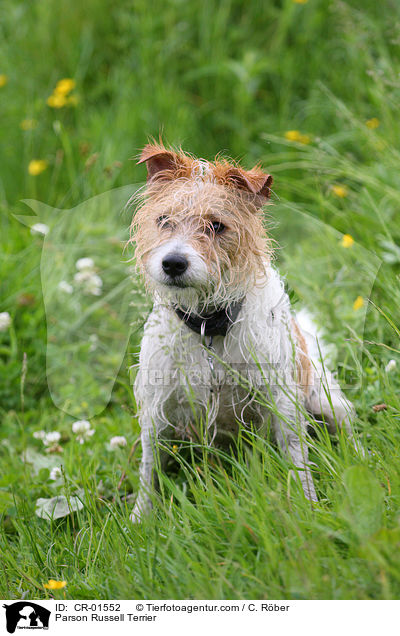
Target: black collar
point(215, 324)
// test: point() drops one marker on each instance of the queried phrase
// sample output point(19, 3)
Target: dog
point(221, 347)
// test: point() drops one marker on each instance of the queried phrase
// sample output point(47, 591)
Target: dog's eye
point(217, 227)
point(163, 221)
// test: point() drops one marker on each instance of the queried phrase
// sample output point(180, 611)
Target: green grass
point(213, 76)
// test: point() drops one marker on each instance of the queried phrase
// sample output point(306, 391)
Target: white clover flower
point(5, 320)
point(118, 442)
point(55, 473)
point(82, 430)
point(82, 277)
point(39, 434)
point(80, 426)
point(391, 365)
point(84, 263)
point(65, 287)
point(51, 438)
point(40, 228)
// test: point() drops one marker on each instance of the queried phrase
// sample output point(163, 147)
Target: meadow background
point(310, 88)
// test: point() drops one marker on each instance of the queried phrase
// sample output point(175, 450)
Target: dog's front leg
point(143, 503)
point(291, 441)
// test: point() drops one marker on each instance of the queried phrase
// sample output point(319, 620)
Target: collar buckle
point(217, 323)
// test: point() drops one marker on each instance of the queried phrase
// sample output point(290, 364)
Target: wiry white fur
point(172, 404)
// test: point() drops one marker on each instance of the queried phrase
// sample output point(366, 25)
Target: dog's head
point(199, 236)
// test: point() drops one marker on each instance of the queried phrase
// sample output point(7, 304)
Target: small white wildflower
point(118, 442)
point(82, 277)
point(80, 426)
point(51, 438)
point(82, 430)
point(55, 473)
point(84, 263)
point(40, 228)
point(5, 320)
point(39, 434)
point(391, 365)
point(65, 287)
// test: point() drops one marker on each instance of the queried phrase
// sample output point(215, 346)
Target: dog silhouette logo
point(26, 615)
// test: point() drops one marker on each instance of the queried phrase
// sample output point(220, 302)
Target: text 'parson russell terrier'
point(222, 347)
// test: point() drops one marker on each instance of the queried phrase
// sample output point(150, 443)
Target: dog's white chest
point(181, 382)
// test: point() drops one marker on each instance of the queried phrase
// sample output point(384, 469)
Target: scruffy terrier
point(221, 347)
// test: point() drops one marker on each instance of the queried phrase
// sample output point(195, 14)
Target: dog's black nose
point(174, 265)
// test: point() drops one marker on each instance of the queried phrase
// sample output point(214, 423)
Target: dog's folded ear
point(254, 181)
point(163, 163)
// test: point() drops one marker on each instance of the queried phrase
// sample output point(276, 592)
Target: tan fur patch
point(303, 362)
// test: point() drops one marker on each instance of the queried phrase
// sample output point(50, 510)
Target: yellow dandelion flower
point(56, 100)
point(340, 191)
point(372, 123)
point(72, 100)
point(358, 303)
point(3, 80)
point(296, 135)
point(28, 124)
point(55, 585)
point(347, 240)
point(37, 166)
point(175, 449)
point(292, 135)
point(65, 86)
